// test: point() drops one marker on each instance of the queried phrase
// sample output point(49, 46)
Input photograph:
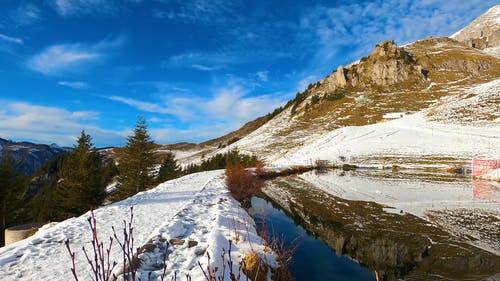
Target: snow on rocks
point(196, 207)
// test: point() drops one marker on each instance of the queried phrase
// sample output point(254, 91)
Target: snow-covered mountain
point(483, 33)
point(30, 156)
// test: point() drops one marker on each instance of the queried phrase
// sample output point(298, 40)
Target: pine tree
point(82, 181)
point(12, 188)
point(137, 162)
point(169, 168)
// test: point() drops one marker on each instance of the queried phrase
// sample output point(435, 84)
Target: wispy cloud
point(68, 8)
point(25, 14)
point(74, 84)
point(214, 60)
point(141, 105)
point(232, 106)
point(27, 121)
point(199, 11)
point(263, 75)
point(58, 59)
point(333, 30)
point(304, 82)
point(11, 39)
point(204, 67)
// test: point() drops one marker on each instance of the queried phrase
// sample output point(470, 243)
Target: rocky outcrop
point(386, 67)
point(340, 79)
point(447, 60)
point(483, 32)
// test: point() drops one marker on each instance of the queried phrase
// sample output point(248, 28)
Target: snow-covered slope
point(196, 208)
point(487, 23)
point(414, 136)
point(483, 32)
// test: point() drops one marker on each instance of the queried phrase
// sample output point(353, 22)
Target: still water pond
point(313, 259)
point(341, 218)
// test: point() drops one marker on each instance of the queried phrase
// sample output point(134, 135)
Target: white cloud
point(355, 27)
point(204, 67)
point(11, 39)
point(58, 59)
point(74, 84)
point(26, 14)
point(263, 75)
point(25, 121)
point(197, 11)
point(230, 106)
point(233, 105)
point(85, 115)
point(304, 82)
point(68, 8)
point(141, 105)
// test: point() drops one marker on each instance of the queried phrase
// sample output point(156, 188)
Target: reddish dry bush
point(259, 169)
point(241, 183)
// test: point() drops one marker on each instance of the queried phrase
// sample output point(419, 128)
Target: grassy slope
point(451, 67)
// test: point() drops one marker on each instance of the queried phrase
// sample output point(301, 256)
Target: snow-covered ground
point(409, 136)
point(459, 127)
point(195, 208)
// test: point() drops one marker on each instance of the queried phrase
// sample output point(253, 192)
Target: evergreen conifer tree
point(169, 168)
point(137, 162)
point(82, 181)
point(12, 187)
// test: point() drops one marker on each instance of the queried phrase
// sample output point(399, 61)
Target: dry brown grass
point(255, 268)
point(241, 183)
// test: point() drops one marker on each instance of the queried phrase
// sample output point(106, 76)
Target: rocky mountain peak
point(483, 32)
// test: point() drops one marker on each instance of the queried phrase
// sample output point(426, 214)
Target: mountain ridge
point(28, 156)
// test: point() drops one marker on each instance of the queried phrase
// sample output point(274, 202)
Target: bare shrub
point(99, 259)
point(213, 273)
point(242, 184)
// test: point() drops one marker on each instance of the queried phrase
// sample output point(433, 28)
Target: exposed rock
point(340, 79)
point(483, 32)
point(177, 242)
point(386, 66)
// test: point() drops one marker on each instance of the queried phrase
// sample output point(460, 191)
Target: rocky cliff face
point(387, 66)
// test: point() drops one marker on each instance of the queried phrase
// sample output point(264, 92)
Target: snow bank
point(196, 207)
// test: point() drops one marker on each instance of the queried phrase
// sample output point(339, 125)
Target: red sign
point(486, 191)
point(482, 167)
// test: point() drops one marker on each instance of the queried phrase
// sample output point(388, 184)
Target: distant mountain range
point(30, 156)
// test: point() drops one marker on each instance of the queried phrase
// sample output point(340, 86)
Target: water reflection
point(395, 245)
point(313, 260)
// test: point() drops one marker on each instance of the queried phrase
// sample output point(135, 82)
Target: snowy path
point(205, 225)
point(44, 256)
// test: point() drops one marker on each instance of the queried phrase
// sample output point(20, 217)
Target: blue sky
point(194, 69)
